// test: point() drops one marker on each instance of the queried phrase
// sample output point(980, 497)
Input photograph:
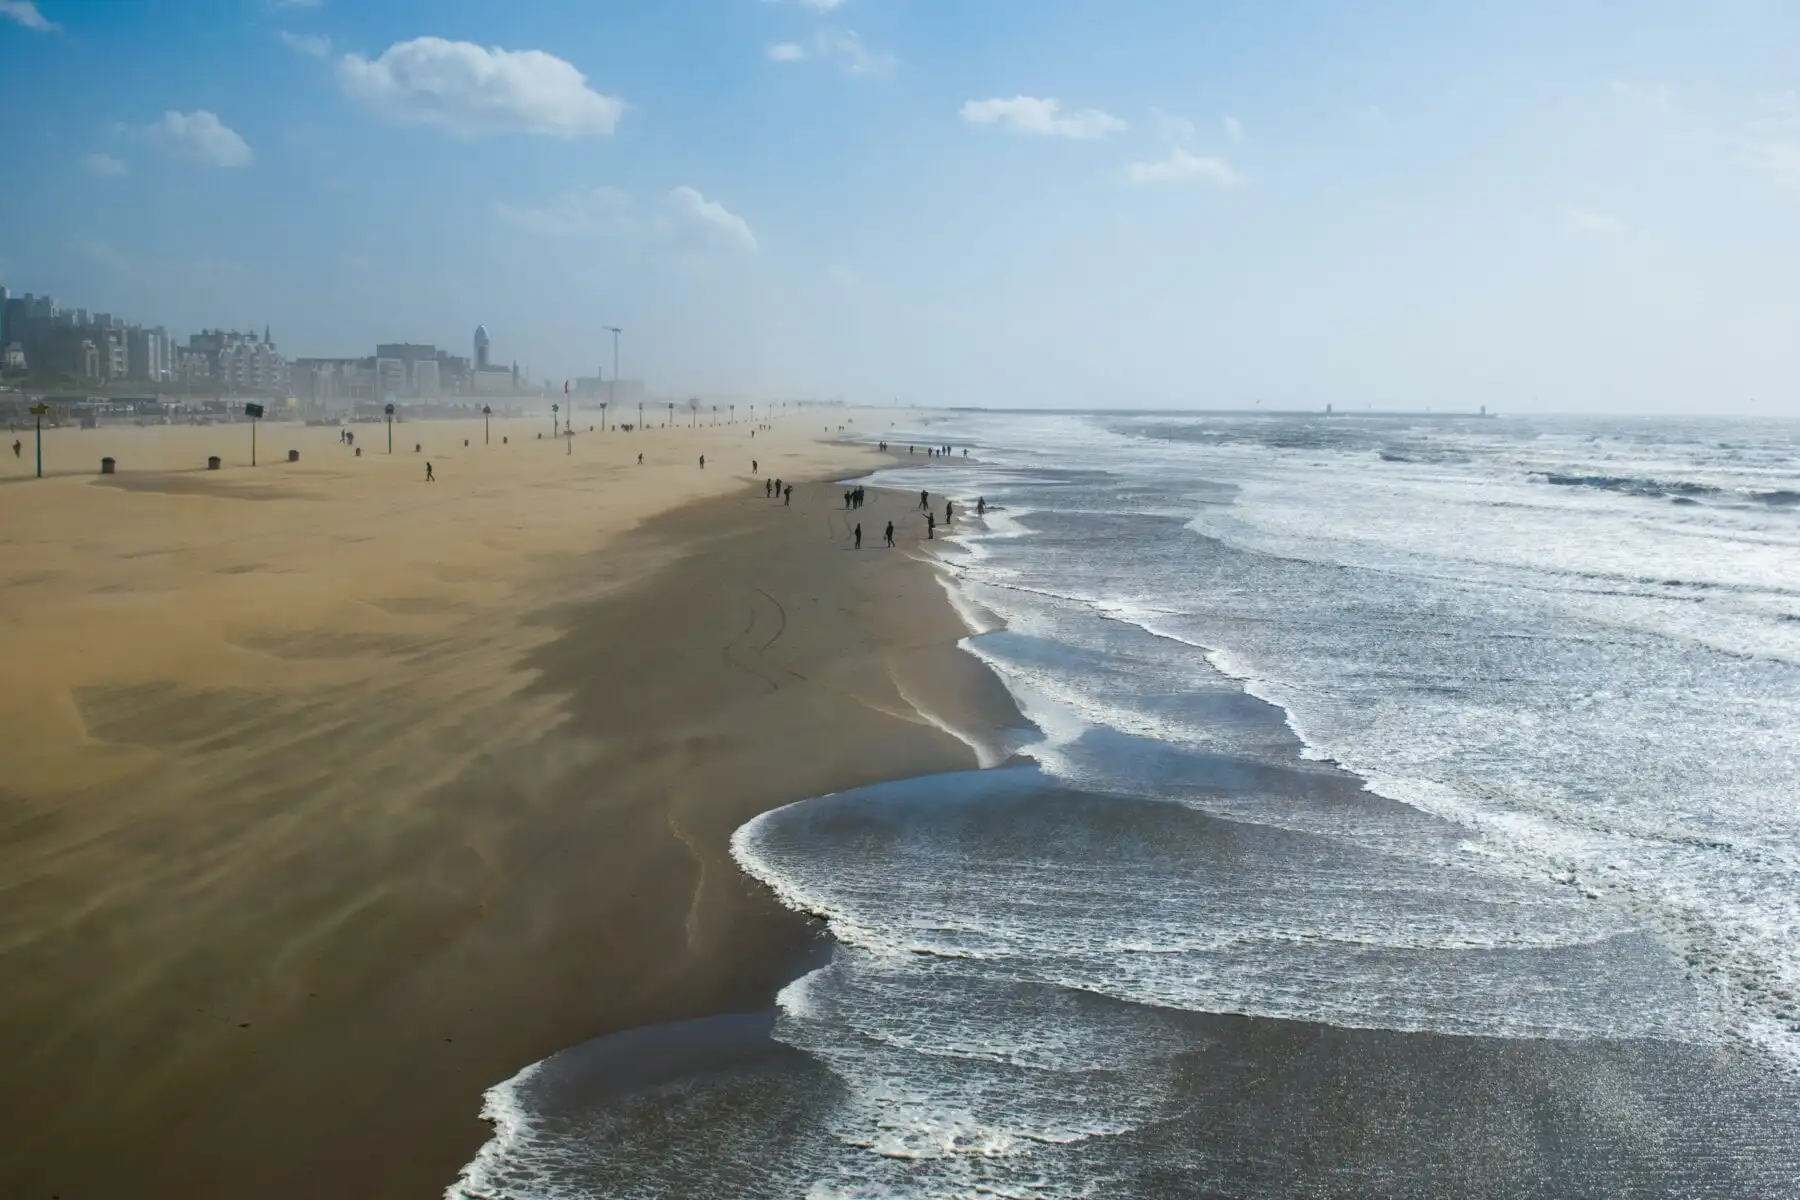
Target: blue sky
point(1531, 206)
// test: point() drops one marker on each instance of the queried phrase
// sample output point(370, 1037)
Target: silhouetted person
point(890, 533)
point(924, 501)
point(703, 462)
point(753, 464)
point(429, 477)
point(981, 506)
point(18, 447)
point(859, 535)
point(948, 512)
point(848, 496)
point(640, 459)
point(768, 488)
point(787, 496)
point(930, 525)
point(778, 487)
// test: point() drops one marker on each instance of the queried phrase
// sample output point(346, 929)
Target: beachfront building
point(238, 361)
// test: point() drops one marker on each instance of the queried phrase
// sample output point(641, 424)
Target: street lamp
point(554, 409)
point(389, 410)
point(38, 410)
point(486, 412)
point(616, 331)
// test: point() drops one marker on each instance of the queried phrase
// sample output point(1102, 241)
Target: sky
point(1533, 206)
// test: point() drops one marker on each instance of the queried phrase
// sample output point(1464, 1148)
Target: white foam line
point(985, 756)
point(501, 1107)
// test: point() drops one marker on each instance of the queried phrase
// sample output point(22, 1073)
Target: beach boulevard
point(330, 797)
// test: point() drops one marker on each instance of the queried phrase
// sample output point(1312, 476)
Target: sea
point(1409, 807)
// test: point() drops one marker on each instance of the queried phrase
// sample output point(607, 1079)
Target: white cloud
point(1653, 96)
point(1184, 166)
point(841, 48)
point(469, 90)
point(101, 253)
point(1598, 224)
point(104, 164)
point(710, 219)
point(26, 13)
point(1776, 160)
point(313, 45)
point(1041, 117)
point(1234, 129)
point(199, 137)
point(597, 212)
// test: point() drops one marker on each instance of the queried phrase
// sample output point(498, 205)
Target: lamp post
point(254, 412)
point(486, 432)
point(613, 382)
point(38, 411)
point(554, 409)
point(389, 410)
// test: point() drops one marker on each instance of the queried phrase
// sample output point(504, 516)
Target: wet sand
point(333, 797)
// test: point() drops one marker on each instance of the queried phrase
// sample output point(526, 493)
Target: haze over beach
point(849, 600)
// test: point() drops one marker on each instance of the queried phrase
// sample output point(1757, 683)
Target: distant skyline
point(1544, 207)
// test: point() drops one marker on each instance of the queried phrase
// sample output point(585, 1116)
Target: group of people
point(857, 534)
point(854, 497)
point(933, 451)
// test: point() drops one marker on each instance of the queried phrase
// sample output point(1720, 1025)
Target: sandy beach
point(331, 796)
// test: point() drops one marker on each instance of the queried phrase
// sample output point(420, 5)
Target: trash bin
point(293, 456)
point(106, 466)
point(212, 463)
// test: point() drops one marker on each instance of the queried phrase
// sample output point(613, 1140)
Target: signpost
point(389, 410)
point(486, 412)
point(254, 412)
point(38, 411)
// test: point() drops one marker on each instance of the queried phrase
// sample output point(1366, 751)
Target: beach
point(333, 797)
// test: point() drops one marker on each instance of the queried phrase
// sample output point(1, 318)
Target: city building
point(390, 378)
point(238, 361)
point(481, 348)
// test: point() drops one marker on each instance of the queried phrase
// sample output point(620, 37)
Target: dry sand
point(330, 797)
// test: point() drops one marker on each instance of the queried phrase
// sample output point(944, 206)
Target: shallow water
point(1412, 815)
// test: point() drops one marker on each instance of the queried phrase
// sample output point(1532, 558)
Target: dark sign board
point(253, 410)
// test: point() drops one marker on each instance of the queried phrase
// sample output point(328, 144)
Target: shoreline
point(543, 862)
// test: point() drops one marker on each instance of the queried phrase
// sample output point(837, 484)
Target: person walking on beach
point(787, 496)
point(429, 477)
point(859, 535)
point(768, 488)
point(703, 462)
point(930, 524)
point(924, 501)
point(847, 497)
point(778, 487)
point(753, 466)
point(981, 506)
point(640, 458)
point(947, 512)
point(890, 534)
point(18, 447)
